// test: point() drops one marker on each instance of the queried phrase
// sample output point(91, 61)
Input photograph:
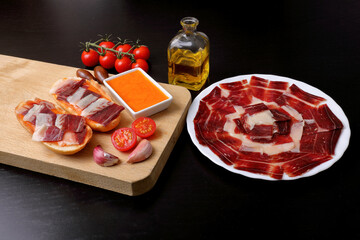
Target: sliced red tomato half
point(124, 139)
point(144, 127)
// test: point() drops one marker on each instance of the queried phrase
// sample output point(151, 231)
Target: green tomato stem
point(118, 53)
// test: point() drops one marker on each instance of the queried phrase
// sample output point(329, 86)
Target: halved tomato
point(144, 127)
point(124, 139)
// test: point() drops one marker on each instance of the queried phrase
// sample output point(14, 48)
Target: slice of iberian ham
point(267, 127)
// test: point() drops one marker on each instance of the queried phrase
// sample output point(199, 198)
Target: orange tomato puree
point(137, 91)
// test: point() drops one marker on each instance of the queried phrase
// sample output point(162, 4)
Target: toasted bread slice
point(74, 109)
point(56, 146)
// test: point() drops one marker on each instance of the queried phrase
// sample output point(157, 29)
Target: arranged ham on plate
point(265, 128)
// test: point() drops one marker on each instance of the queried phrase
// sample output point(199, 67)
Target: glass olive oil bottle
point(188, 56)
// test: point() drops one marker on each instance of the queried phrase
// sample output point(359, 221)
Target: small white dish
point(147, 111)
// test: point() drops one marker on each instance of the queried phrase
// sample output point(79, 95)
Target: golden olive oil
point(188, 56)
point(188, 69)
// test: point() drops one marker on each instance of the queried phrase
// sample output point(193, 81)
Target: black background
point(316, 42)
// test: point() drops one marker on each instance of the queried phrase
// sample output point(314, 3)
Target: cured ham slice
point(96, 106)
point(46, 119)
point(68, 88)
point(298, 99)
point(70, 122)
point(265, 90)
point(87, 100)
point(32, 113)
point(237, 92)
point(322, 119)
point(107, 114)
point(76, 96)
point(267, 127)
point(46, 133)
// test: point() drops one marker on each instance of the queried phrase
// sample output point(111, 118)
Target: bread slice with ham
point(59, 131)
point(87, 98)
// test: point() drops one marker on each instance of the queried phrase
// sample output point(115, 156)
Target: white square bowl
point(147, 111)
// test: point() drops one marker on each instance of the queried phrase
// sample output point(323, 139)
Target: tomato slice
point(144, 127)
point(124, 139)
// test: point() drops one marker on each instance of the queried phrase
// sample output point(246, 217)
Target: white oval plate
point(340, 148)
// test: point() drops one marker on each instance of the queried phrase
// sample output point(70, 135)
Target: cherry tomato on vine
point(124, 139)
point(144, 127)
point(140, 63)
point(106, 44)
point(141, 52)
point(124, 48)
point(123, 64)
point(90, 58)
point(107, 60)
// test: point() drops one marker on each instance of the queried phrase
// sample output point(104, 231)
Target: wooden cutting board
point(24, 79)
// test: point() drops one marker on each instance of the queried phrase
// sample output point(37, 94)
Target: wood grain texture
point(24, 79)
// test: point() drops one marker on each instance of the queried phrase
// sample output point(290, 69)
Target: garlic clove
point(142, 151)
point(103, 158)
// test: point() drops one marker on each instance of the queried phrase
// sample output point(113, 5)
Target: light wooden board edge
point(147, 183)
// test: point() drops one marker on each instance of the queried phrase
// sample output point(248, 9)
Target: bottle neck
point(189, 24)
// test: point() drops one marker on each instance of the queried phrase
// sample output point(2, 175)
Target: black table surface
point(316, 42)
